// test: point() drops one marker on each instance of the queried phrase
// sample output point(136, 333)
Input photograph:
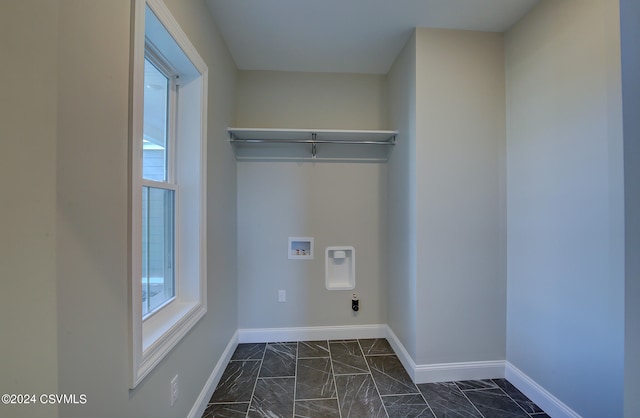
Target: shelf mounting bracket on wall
point(314, 149)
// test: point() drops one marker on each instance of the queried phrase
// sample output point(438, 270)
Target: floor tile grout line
point(481, 389)
point(394, 379)
point(256, 382)
point(512, 400)
point(492, 381)
point(380, 355)
point(425, 401)
point(467, 398)
point(400, 394)
point(413, 394)
point(350, 374)
point(295, 379)
point(335, 385)
point(372, 379)
point(317, 399)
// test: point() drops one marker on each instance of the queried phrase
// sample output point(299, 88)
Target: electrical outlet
point(282, 295)
point(174, 390)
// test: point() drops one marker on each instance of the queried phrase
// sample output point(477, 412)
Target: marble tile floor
point(350, 379)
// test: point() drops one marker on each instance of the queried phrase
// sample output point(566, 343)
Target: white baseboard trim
point(445, 372)
point(468, 370)
point(402, 353)
point(207, 391)
point(269, 335)
point(543, 398)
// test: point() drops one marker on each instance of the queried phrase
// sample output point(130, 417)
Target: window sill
point(162, 331)
point(162, 324)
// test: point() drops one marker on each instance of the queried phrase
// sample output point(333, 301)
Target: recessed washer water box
point(340, 268)
point(300, 248)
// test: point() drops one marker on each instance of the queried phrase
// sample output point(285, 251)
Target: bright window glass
point(158, 201)
point(158, 241)
point(156, 123)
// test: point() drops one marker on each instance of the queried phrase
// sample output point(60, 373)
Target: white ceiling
point(345, 36)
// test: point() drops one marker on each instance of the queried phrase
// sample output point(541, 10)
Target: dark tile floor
point(352, 378)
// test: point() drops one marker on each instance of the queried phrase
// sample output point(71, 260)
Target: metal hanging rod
point(314, 141)
point(311, 137)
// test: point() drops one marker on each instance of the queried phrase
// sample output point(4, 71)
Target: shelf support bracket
point(314, 149)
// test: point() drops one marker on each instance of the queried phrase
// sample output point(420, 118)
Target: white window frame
point(153, 337)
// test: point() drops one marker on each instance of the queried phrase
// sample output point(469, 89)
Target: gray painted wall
point(565, 203)
point(401, 219)
point(92, 217)
point(280, 99)
point(28, 42)
point(65, 241)
point(337, 203)
point(630, 38)
point(460, 139)
point(447, 281)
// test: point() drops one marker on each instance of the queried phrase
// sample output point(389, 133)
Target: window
point(158, 187)
point(168, 198)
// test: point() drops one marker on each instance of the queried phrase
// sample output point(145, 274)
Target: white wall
point(401, 216)
point(28, 342)
point(93, 211)
point(630, 38)
point(565, 203)
point(337, 203)
point(460, 140)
